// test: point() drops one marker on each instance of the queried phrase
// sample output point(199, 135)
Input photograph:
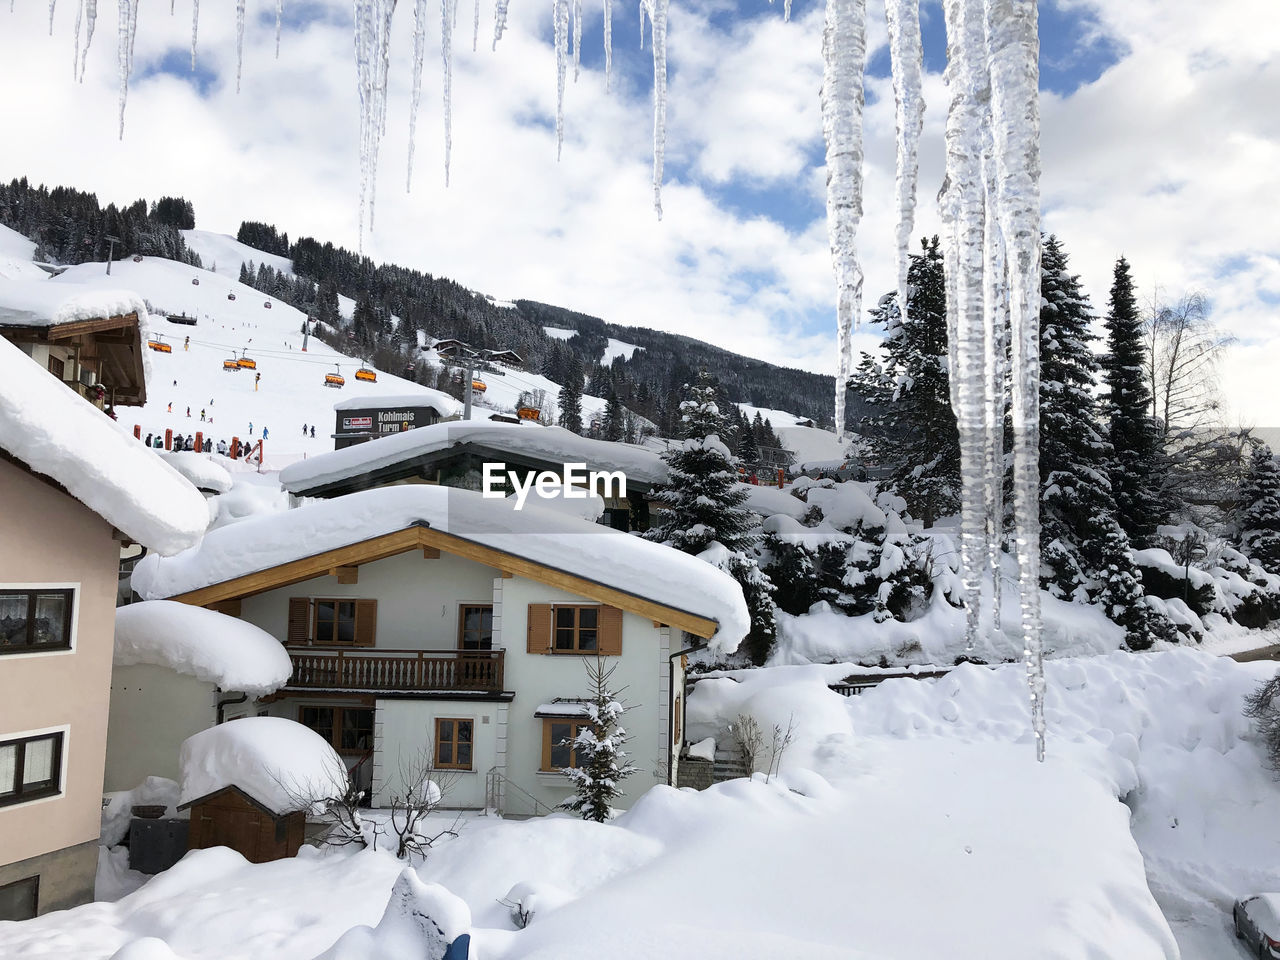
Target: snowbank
point(553, 444)
point(421, 921)
point(442, 403)
point(588, 550)
point(45, 303)
point(205, 644)
point(200, 469)
point(281, 764)
point(56, 433)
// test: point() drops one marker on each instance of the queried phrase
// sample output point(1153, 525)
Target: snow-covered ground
point(614, 348)
point(809, 444)
point(225, 255)
point(910, 821)
point(16, 252)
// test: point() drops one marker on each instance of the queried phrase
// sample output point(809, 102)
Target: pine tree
point(601, 761)
point(1137, 458)
point(1260, 504)
point(911, 428)
point(1086, 554)
point(705, 507)
point(614, 427)
point(570, 399)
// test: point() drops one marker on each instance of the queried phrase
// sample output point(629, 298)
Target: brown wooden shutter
point(299, 620)
point(539, 628)
point(610, 632)
point(366, 622)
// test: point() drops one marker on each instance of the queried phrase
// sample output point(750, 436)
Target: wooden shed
point(231, 818)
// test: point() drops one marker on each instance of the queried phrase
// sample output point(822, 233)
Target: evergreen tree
point(1137, 458)
point(614, 425)
point(705, 507)
point(571, 396)
point(602, 763)
point(1260, 504)
point(910, 427)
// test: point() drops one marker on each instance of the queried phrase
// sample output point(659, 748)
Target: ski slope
point(613, 349)
point(809, 444)
point(16, 252)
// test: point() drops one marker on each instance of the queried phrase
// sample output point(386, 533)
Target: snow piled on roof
point(42, 303)
point(200, 469)
point(58, 434)
point(280, 763)
point(16, 252)
point(554, 444)
point(441, 402)
point(587, 550)
point(205, 644)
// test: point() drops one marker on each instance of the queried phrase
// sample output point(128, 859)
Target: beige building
point(74, 487)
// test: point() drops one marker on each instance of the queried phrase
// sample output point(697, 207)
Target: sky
point(1160, 142)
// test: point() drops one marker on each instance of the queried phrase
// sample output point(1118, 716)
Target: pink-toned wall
point(47, 537)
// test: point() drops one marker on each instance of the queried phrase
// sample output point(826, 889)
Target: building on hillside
point(92, 342)
point(455, 453)
point(451, 631)
point(360, 419)
point(74, 487)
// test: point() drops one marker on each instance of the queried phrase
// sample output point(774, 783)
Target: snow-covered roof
point(200, 469)
point(544, 537)
point(563, 708)
point(44, 303)
point(57, 434)
point(553, 444)
point(279, 763)
point(439, 401)
point(226, 651)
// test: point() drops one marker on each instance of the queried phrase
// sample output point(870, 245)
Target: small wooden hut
point(230, 817)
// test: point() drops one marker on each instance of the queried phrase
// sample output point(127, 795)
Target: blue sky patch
point(176, 62)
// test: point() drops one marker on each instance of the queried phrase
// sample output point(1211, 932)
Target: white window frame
point(75, 588)
point(64, 765)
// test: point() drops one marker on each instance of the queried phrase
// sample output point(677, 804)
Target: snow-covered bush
point(1263, 707)
point(602, 763)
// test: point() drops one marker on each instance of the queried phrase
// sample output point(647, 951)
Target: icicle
point(642, 14)
point(126, 29)
point(903, 17)
point(448, 20)
point(786, 11)
point(90, 20)
point(844, 51)
point(195, 30)
point(1012, 52)
point(279, 24)
point(658, 40)
point(608, 44)
point(75, 60)
point(577, 38)
point(560, 24)
point(372, 38)
point(172, 4)
point(419, 49)
point(475, 29)
point(239, 41)
point(52, 4)
point(499, 20)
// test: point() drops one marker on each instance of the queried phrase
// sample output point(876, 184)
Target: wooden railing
point(396, 670)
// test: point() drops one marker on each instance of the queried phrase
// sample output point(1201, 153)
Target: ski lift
point(246, 362)
point(477, 385)
point(335, 380)
point(157, 344)
point(528, 413)
point(267, 304)
point(367, 375)
point(231, 296)
point(232, 365)
point(137, 258)
point(195, 281)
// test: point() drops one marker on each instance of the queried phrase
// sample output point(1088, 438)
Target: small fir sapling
point(601, 762)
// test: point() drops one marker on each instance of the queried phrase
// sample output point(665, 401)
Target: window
point(475, 627)
point(20, 899)
point(30, 768)
point(336, 621)
point(332, 621)
point(35, 620)
point(576, 629)
point(557, 743)
point(454, 744)
point(57, 367)
point(348, 729)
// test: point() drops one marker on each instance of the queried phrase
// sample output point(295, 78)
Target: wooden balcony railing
point(315, 668)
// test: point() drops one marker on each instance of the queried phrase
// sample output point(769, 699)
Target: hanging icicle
point(90, 21)
point(577, 38)
point(419, 50)
point(126, 30)
point(844, 47)
point(195, 30)
point(75, 60)
point(560, 27)
point(499, 20)
point(475, 29)
point(52, 4)
point(372, 38)
point(279, 24)
point(239, 41)
point(657, 10)
point(608, 45)
point(448, 19)
point(905, 55)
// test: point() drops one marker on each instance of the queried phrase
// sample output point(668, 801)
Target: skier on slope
point(264, 433)
point(251, 428)
point(304, 429)
point(313, 431)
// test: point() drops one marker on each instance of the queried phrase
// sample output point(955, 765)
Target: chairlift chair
point(367, 375)
point(335, 380)
point(267, 304)
point(232, 365)
point(231, 296)
point(528, 413)
point(195, 281)
point(478, 386)
point(137, 258)
point(157, 344)
point(247, 362)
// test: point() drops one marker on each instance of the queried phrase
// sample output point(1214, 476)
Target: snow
point(226, 651)
point(442, 403)
point(563, 708)
point(44, 302)
point(200, 469)
point(16, 252)
point(421, 921)
point(554, 444)
point(543, 536)
point(280, 763)
point(807, 444)
point(559, 333)
point(57, 433)
point(704, 749)
point(618, 348)
point(590, 507)
point(225, 255)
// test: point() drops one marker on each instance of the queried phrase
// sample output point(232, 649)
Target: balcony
point(364, 670)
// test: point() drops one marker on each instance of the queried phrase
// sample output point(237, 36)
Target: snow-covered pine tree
point(570, 399)
point(1086, 556)
point(602, 763)
point(1260, 510)
point(1137, 458)
point(614, 425)
point(705, 507)
point(911, 428)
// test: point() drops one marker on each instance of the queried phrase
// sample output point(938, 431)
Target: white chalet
point(431, 620)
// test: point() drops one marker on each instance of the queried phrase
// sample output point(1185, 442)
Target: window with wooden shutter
point(539, 628)
point(366, 622)
point(610, 632)
point(299, 620)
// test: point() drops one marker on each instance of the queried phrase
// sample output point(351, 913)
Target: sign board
point(357, 423)
point(357, 426)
